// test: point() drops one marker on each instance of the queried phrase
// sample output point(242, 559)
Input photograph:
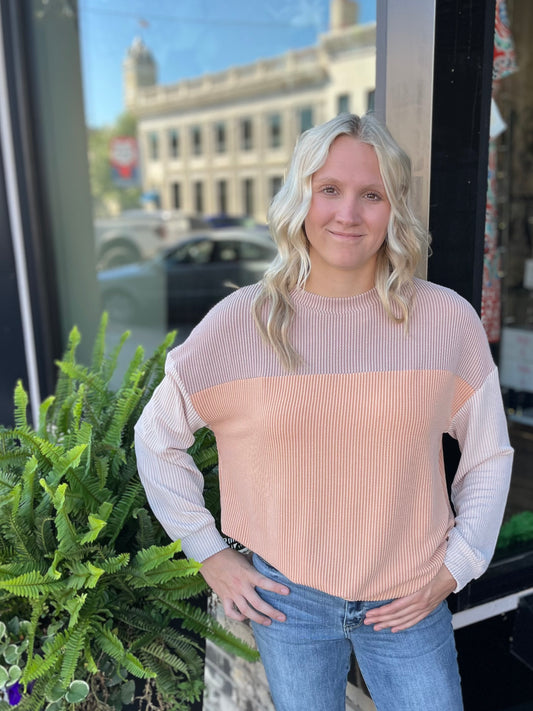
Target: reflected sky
point(188, 39)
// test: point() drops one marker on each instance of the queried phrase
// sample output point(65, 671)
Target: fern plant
point(83, 559)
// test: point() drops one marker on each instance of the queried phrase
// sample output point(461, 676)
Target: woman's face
point(347, 221)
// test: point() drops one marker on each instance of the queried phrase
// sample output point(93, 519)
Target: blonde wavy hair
point(405, 243)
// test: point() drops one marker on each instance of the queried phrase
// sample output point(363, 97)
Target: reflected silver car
point(138, 235)
point(187, 280)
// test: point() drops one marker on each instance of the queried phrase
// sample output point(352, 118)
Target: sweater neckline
point(334, 304)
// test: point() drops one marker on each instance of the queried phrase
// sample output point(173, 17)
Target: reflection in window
point(176, 196)
point(198, 197)
point(370, 98)
point(275, 184)
point(274, 131)
point(343, 104)
point(153, 141)
point(196, 140)
point(220, 137)
point(196, 252)
point(222, 197)
point(173, 143)
point(246, 134)
point(306, 118)
point(248, 196)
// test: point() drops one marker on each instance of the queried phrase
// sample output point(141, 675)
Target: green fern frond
point(84, 575)
point(52, 653)
point(43, 414)
point(30, 585)
point(204, 450)
point(71, 654)
point(199, 622)
point(99, 344)
point(64, 384)
point(81, 373)
point(166, 572)
point(152, 557)
point(77, 409)
point(37, 608)
point(124, 406)
point(111, 645)
point(183, 588)
point(134, 370)
point(109, 365)
point(113, 565)
point(132, 497)
point(21, 406)
point(74, 606)
point(88, 656)
point(163, 655)
point(146, 531)
point(96, 525)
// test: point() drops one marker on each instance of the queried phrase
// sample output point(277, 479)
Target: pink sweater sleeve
point(173, 483)
point(480, 486)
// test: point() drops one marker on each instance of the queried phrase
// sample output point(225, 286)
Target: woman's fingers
point(234, 580)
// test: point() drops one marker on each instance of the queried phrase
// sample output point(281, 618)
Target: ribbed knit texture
point(334, 474)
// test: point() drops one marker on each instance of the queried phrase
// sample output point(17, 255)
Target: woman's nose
point(349, 211)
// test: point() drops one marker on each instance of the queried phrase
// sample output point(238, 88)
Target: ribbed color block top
point(334, 473)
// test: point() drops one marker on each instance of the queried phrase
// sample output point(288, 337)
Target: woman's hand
point(234, 580)
point(407, 611)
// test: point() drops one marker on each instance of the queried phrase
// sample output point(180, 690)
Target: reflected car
point(186, 281)
point(138, 235)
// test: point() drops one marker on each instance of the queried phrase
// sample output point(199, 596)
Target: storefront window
point(507, 307)
point(204, 97)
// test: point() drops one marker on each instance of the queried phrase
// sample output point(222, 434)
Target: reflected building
point(220, 143)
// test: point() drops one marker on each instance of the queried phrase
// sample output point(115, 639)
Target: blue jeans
point(307, 658)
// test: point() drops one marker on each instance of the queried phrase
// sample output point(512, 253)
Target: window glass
point(173, 143)
point(274, 130)
point(197, 251)
point(305, 118)
point(220, 137)
point(196, 140)
point(204, 103)
point(507, 300)
point(246, 134)
point(154, 146)
point(176, 195)
point(343, 104)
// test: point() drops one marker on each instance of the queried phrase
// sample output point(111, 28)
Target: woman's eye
point(373, 196)
point(329, 190)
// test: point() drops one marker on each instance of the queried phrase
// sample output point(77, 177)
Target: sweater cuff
point(463, 562)
point(203, 543)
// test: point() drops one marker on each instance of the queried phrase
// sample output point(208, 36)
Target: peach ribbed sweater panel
point(334, 474)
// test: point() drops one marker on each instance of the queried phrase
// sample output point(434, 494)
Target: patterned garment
point(334, 473)
point(504, 64)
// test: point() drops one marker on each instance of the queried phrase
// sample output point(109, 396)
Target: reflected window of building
point(275, 184)
point(222, 197)
point(198, 197)
point(305, 116)
point(173, 143)
point(246, 134)
point(220, 137)
point(153, 146)
point(176, 196)
point(248, 196)
point(343, 104)
point(274, 130)
point(196, 140)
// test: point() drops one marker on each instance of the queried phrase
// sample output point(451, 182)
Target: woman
point(329, 386)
